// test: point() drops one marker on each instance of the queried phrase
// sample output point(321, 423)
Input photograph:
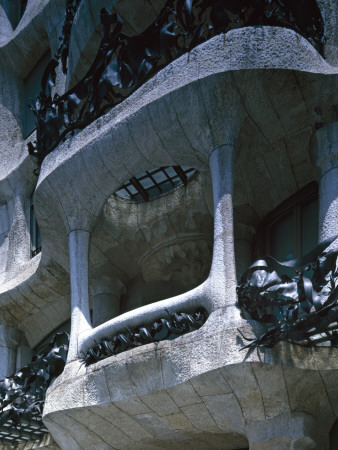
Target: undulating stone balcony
point(197, 388)
point(254, 111)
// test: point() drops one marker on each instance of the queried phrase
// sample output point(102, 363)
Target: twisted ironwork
point(63, 50)
point(174, 326)
point(300, 309)
point(22, 395)
point(123, 63)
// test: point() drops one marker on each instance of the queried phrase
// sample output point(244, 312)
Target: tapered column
point(325, 154)
point(9, 342)
point(106, 293)
point(223, 270)
point(78, 242)
point(19, 239)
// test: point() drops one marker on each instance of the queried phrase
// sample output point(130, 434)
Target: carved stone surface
point(261, 91)
point(184, 261)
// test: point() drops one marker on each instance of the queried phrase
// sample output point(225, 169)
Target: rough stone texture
point(258, 94)
point(244, 397)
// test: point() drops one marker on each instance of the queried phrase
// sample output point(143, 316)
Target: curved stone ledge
point(191, 107)
point(90, 154)
point(145, 123)
point(201, 379)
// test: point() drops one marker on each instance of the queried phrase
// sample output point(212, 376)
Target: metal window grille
point(29, 430)
point(152, 183)
point(34, 232)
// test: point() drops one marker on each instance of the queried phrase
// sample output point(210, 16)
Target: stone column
point(325, 155)
point(78, 243)
point(223, 271)
point(9, 342)
point(6, 28)
point(106, 293)
point(19, 239)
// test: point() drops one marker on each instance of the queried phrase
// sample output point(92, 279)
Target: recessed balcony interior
point(164, 247)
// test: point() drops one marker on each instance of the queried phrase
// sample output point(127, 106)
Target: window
point(152, 183)
point(291, 230)
point(32, 88)
point(34, 231)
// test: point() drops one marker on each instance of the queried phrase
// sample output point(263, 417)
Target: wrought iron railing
point(123, 63)
point(22, 395)
point(172, 327)
point(298, 309)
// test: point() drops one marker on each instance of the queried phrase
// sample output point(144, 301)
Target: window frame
point(262, 244)
point(29, 95)
point(34, 231)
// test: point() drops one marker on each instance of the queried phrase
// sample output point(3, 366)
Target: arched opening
point(153, 241)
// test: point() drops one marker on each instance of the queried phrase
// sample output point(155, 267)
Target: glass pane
point(282, 242)
point(32, 88)
point(32, 229)
point(170, 171)
point(147, 182)
point(132, 189)
point(281, 238)
point(309, 226)
point(159, 176)
point(122, 193)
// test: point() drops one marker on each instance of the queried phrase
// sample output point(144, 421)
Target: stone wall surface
point(243, 107)
point(198, 390)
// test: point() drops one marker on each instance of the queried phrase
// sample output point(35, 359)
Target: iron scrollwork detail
point(123, 62)
point(301, 310)
point(174, 326)
point(63, 50)
point(22, 395)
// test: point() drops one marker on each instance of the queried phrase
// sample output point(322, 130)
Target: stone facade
point(255, 112)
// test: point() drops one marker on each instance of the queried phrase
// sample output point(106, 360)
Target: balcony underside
point(198, 387)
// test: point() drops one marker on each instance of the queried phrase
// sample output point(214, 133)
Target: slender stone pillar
point(9, 342)
point(223, 270)
point(106, 298)
point(6, 28)
point(325, 155)
point(19, 239)
point(78, 242)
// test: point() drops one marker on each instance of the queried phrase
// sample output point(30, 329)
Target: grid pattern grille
point(152, 183)
point(28, 430)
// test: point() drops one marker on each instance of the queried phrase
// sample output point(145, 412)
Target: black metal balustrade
point(22, 395)
point(175, 325)
point(124, 62)
point(298, 309)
